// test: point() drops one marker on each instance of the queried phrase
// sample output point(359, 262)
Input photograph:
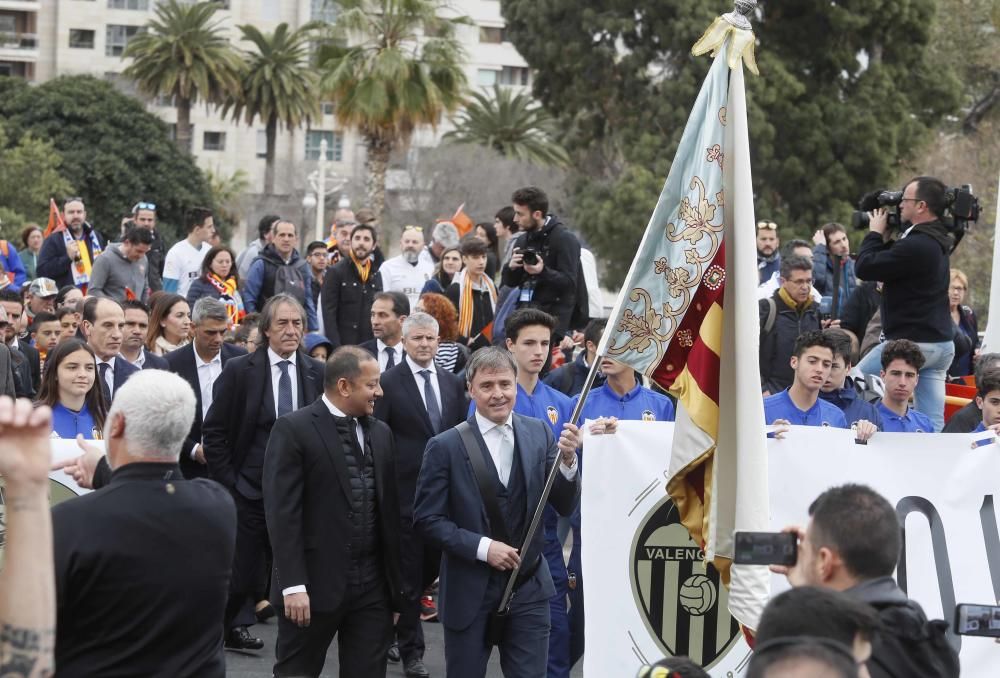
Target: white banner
point(648, 595)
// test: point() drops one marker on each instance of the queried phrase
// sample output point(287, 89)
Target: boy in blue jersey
point(799, 404)
point(841, 390)
point(901, 363)
point(624, 397)
point(988, 400)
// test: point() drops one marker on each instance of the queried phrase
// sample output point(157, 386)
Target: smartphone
point(977, 620)
point(766, 548)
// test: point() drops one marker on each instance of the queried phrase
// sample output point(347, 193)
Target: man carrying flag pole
point(71, 246)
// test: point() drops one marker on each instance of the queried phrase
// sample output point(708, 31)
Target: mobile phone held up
point(766, 548)
point(977, 620)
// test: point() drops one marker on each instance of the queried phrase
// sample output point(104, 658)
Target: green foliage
point(227, 196)
point(391, 65)
point(511, 124)
point(114, 152)
point(846, 91)
point(184, 53)
point(29, 176)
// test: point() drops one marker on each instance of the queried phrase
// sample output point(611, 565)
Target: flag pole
point(536, 517)
point(991, 338)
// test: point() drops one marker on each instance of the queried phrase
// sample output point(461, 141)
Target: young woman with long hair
point(169, 323)
point(70, 386)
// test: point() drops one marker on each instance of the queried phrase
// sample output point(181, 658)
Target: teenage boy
point(988, 400)
point(474, 295)
point(184, 260)
point(800, 404)
point(901, 363)
point(840, 389)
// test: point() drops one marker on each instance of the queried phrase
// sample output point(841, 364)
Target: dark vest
point(513, 499)
point(366, 564)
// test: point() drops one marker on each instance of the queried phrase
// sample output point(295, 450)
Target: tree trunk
point(271, 131)
point(376, 164)
point(182, 137)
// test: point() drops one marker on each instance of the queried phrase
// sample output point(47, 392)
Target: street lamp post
point(321, 191)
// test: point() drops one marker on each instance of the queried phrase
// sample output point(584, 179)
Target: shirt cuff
point(568, 473)
point(483, 551)
point(194, 449)
point(293, 589)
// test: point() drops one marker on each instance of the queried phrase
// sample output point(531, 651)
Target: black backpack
point(288, 279)
point(910, 646)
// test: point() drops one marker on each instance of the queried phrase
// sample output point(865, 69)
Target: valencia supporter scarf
point(364, 269)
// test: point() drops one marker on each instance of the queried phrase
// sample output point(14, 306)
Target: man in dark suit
point(389, 310)
point(348, 291)
point(142, 566)
point(134, 343)
point(103, 326)
point(517, 455)
point(249, 395)
point(25, 360)
point(332, 513)
point(200, 363)
point(419, 402)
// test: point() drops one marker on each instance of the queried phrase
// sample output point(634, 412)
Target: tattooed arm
point(27, 581)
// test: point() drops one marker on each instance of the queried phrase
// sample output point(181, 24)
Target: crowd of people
point(354, 443)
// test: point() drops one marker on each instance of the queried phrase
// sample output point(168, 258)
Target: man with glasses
point(915, 273)
point(768, 256)
point(68, 255)
point(788, 313)
point(407, 272)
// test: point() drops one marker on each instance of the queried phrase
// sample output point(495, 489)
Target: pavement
point(259, 664)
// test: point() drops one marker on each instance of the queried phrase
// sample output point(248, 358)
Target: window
point(142, 5)
point(213, 141)
point(323, 10)
point(117, 38)
point(486, 77)
point(327, 108)
point(334, 145)
point(514, 75)
point(491, 34)
point(262, 143)
point(81, 39)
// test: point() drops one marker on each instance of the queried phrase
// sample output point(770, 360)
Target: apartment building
point(42, 39)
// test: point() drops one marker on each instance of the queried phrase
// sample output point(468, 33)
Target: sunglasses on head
point(144, 206)
point(410, 227)
point(767, 226)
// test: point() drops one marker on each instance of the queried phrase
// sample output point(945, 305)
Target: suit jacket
point(401, 407)
point(34, 361)
point(449, 512)
point(6, 371)
point(123, 370)
point(155, 362)
point(230, 426)
point(142, 576)
point(182, 363)
point(307, 500)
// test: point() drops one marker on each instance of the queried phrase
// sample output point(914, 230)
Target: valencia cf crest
point(682, 600)
point(647, 415)
point(553, 414)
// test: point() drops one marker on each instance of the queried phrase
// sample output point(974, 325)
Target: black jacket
point(571, 377)
point(230, 426)
point(402, 409)
point(53, 261)
point(556, 287)
point(182, 363)
point(156, 256)
point(142, 576)
point(307, 500)
point(860, 307)
point(965, 420)
point(777, 346)
point(915, 274)
point(347, 304)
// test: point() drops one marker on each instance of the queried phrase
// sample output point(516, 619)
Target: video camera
point(961, 209)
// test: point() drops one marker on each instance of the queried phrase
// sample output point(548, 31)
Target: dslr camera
point(530, 256)
point(961, 210)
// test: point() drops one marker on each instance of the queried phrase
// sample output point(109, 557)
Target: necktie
point(505, 453)
point(104, 381)
point(352, 433)
point(390, 357)
point(433, 410)
point(284, 389)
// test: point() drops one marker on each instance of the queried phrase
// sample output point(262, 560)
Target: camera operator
point(914, 271)
point(546, 259)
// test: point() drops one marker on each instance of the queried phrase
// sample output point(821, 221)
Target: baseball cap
point(44, 287)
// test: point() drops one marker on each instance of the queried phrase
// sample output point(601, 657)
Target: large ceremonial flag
point(687, 318)
point(991, 339)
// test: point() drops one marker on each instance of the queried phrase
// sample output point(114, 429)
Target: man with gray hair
point(200, 363)
point(419, 401)
point(142, 565)
point(444, 235)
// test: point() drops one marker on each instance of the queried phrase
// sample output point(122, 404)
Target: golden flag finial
point(734, 25)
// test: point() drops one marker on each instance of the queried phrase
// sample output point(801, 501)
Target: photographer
point(914, 271)
point(546, 259)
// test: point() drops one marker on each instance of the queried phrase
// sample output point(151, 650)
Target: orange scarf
point(465, 305)
point(364, 269)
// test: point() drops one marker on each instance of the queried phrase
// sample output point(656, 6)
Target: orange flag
point(56, 222)
point(463, 222)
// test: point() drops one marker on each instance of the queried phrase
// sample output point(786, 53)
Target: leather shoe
point(239, 638)
point(415, 669)
point(394, 652)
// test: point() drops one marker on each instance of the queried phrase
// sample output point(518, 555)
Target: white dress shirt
point(141, 359)
point(419, 378)
point(276, 375)
point(360, 432)
point(383, 359)
point(109, 377)
point(499, 440)
point(208, 372)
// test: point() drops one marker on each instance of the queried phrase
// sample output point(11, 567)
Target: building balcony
point(21, 5)
point(18, 47)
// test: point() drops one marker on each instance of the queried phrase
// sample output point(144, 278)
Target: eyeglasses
point(910, 199)
point(767, 226)
point(144, 206)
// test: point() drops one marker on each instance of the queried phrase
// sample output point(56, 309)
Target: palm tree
point(400, 68)
point(276, 85)
point(183, 54)
point(511, 124)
